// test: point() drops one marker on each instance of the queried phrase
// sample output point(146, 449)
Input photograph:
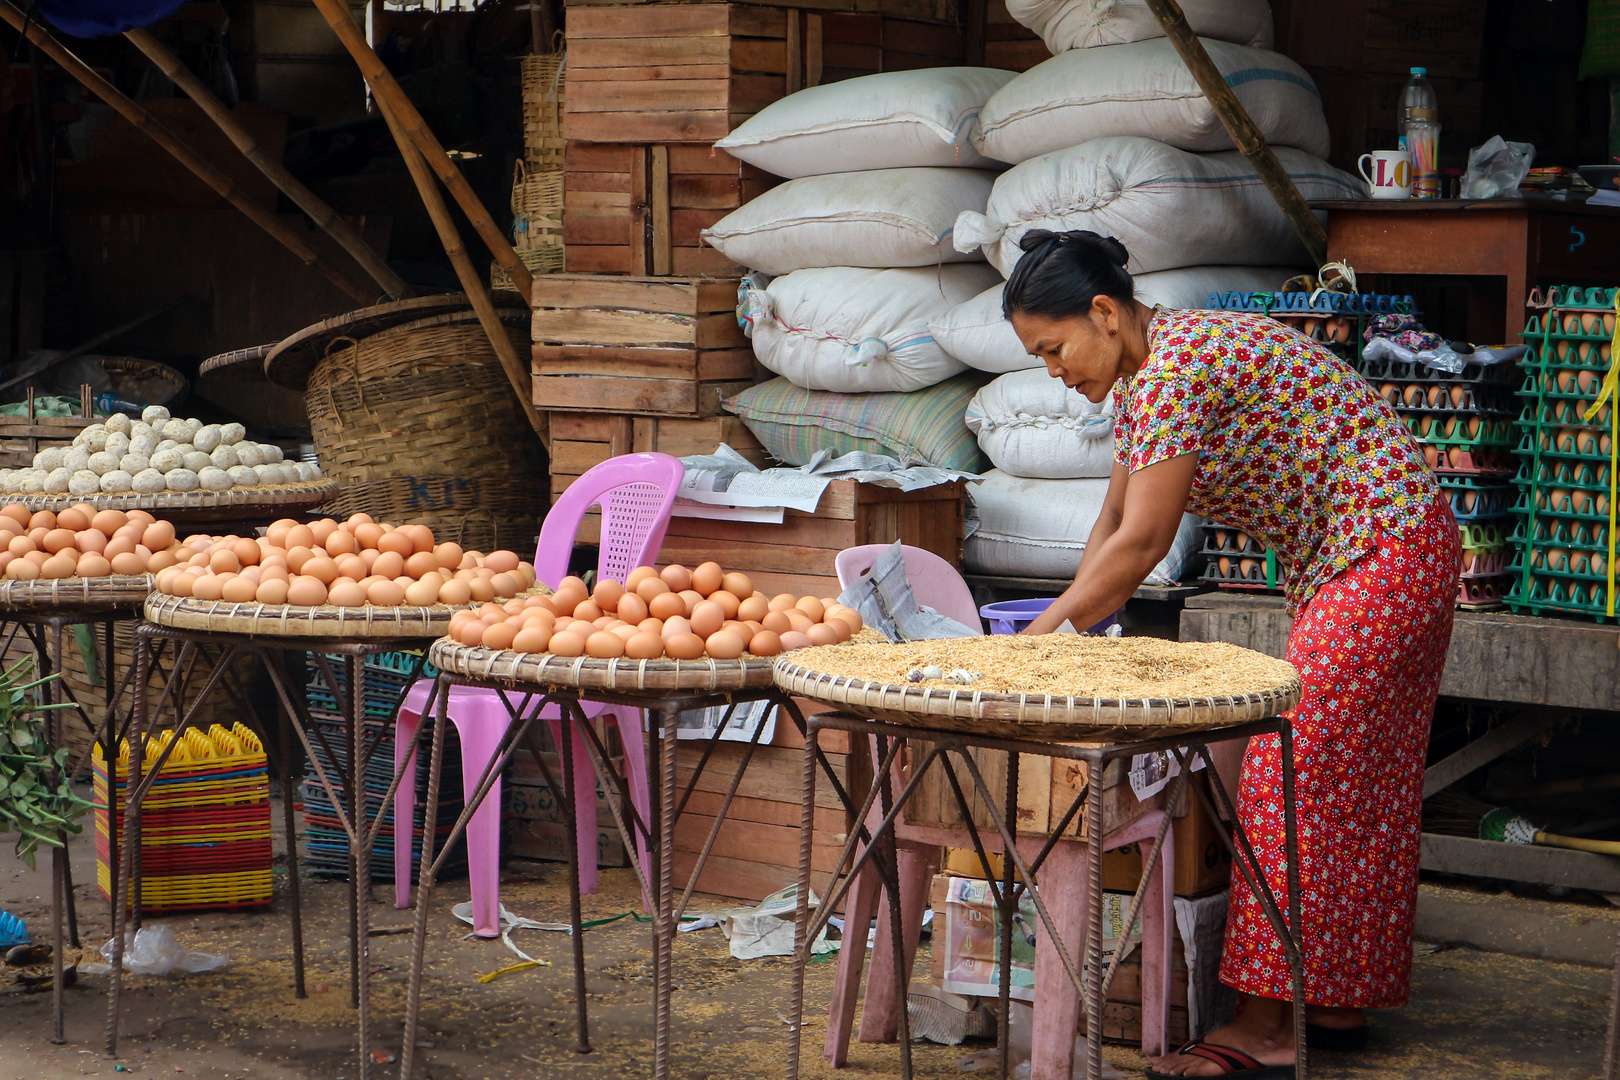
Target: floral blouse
point(1296, 448)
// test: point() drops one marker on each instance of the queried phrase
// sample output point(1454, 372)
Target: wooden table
point(1524, 242)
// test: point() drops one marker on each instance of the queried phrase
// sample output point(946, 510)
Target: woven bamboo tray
point(1070, 719)
point(652, 678)
point(241, 363)
point(74, 596)
point(325, 623)
point(200, 507)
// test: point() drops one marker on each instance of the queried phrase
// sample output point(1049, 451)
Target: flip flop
point(1349, 1040)
point(1232, 1063)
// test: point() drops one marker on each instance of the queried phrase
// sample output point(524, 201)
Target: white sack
point(883, 218)
point(858, 331)
point(975, 333)
point(1082, 24)
point(894, 120)
point(1038, 528)
point(1168, 207)
point(1030, 424)
point(1145, 89)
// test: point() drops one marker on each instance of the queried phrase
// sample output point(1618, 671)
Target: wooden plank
point(582, 427)
point(640, 209)
point(1497, 741)
point(701, 159)
point(747, 20)
point(658, 196)
point(795, 53)
point(670, 296)
point(597, 201)
point(686, 226)
point(736, 555)
point(648, 363)
point(647, 127)
point(804, 532)
point(751, 93)
point(705, 192)
point(658, 21)
point(760, 57)
point(596, 157)
point(784, 813)
point(682, 438)
point(703, 260)
point(594, 325)
point(686, 50)
point(752, 841)
point(650, 73)
point(580, 227)
point(680, 397)
point(597, 181)
point(638, 95)
point(1519, 862)
point(577, 457)
point(814, 68)
point(771, 772)
point(599, 259)
point(741, 879)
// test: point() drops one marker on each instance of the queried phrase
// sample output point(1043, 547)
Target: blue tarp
point(100, 18)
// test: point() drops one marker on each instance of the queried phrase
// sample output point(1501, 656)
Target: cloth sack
point(1030, 424)
point(1168, 207)
point(1145, 89)
point(1038, 528)
point(921, 427)
point(975, 333)
point(893, 120)
point(855, 330)
point(882, 218)
point(1083, 24)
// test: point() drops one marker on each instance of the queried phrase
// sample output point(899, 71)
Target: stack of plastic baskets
point(205, 823)
point(1562, 564)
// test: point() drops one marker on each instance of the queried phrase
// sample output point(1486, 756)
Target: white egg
point(180, 480)
point(56, 482)
point(118, 422)
point(49, 458)
point(268, 474)
point(84, 482)
point(166, 444)
point(148, 482)
point(91, 432)
point(175, 429)
point(103, 462)
point(33, 483)
point(242, 475)
point(92, 440)
point(272, 453)
point(164, 460)
point(116, 482)
point(155, 414)
point(139, 428)
point(143, 444)
point(206, 438)
point(231, 434)
point(214, 480)
point(133, 462)
point(76, 458)
point(117, 443)
point(247, 453)
point(197, 461)
point(224, 456)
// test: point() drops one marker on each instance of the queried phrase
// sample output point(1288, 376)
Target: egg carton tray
point(1558, 412)
point(1225, 540)
point(1471, 506)
point(1564, 383)
point(1570, 504)
point(1553, 443)
point(1239, 577)
point(1551, 596)
point(1454, 398)
point(1479, 562)
point(1559, 562)
point(1583, 354)
point(1560, 472)
point(1597, 297)
point(1469, 461)
point(1381, 371)
point(1570, 326)
point(1312, 304)
point(1482, 594)
point(1561, 532)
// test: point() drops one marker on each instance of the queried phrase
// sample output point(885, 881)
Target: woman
point(1247, 422)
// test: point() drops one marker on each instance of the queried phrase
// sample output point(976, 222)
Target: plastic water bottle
point(108, 403)
point(1417, 100)
point(1419, 124)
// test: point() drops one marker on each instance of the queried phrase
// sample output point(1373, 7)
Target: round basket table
point(734, 696)
point(221, 632)
point(41, 610)
point(972, 739)
point(196, 509)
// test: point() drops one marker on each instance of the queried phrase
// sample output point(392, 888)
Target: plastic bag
point(154, 950)
point(1497, 168)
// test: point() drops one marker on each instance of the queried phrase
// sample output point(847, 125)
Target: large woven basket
point(327, 623)
point(542, 260)
point(418, 423)
point(74, 596)
point(654, 678)
point(1069, 719)
point(543, 93)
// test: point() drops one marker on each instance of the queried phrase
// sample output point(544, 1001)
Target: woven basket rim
point(620, 674)
point(303, 493)
point(403, 622)
point(235, 356)
point(77, 593)
point(916, 704)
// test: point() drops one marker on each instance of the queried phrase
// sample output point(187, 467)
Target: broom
point(1451, 813)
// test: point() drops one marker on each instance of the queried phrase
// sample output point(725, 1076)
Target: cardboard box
point(1203, 864)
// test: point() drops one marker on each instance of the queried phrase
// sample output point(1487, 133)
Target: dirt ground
point(1474, 1015)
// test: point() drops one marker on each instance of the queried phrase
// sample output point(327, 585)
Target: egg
point(127, 563)
point(725, 645)
point(324, 530)
point(677, 577)
point(57, 540)
point(93, 565)
point(306, 591)
point(776, 622)
point(799, 620)
point(351, 566)
point(644, 645)
point(421, 564)
point(346, 594)
point(421, 538)
point(500, 635)
point(679, 624)
point(604, 645)
point(21, 545)
point(300, 536)
point(422, 593)
point(482, 590)
point(765, 643)
point(607, 594)
point(239, 590)
point(812, 607)
point(531, 639)
point(691, 598)
point(738, 585)
point(502, 561)
point(388, 564)
point(17, 513)
point(224, 561)
point(340, 542)
point(782, 601)
point(840, 628)
point(568, 643)
point(455, 593)
point(822, 634)
point(622, 632)
point(23, 570)
point(633, 580)
point(793, 639)
point(74, 519)
point(707, 578)
point(109, 521)
point(753, 608)
point(207, 586)
point(321, 567)
point(727, 600)
point(652, 587)
point(369, 533)
point(567, 598)
point(271, 591)
point(385, 593)
point(631, 608)
point(707, 618)
point(740, 628)
point(589, 610)
point(471, 632)
point(666, 605)
point(684, 646)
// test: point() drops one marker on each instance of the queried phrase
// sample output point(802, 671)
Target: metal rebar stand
point(220, 649)
point(1091, 981)
point(525, 703)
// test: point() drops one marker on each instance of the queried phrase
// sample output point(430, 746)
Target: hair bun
point(1109, 247)
point(1113, 248)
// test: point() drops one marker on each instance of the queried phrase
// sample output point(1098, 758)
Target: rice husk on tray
point(1065, 665)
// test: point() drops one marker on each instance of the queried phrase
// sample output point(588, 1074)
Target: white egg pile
point(156, 453)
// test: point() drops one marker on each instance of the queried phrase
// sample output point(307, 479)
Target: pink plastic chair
point(937, 584)
point(635, 492)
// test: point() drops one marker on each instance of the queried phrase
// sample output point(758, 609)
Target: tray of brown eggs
point(675, 629)
point(1237, 560)
point(81, 559)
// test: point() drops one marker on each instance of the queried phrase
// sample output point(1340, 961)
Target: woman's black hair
point(1062, 272)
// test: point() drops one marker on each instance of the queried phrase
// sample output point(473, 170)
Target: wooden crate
point(652, 346)
point(1008, 44)
point(639, 209)
point(21, 437)
point(797, 556)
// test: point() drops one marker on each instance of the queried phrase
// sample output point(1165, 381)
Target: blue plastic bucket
point(1011, 616)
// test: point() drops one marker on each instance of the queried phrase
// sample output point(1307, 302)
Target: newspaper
point(886, 602)
point(725, 485)
point(746, 718)
point(765, 929)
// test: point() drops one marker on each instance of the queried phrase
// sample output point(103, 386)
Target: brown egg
point(776, 622)
point(351, 566)
point(793, 639)
point(58, 540)
point(604, 645)
point(73, 519)
point(532, 639)
point(632, 608)
point(707, 578)
point(160, 560)
point(385, 593)
point(300, 536)
point(567, 643)
point(23, 570)
point(369, 534)
point(655, 626)
point(691, 598)
point(346, 594)
point(500, 635)
point(305, 591)
point(421, 564)
point(665, 606)
point(159, 534)
point(800, 621)
point(853, 617)
point(607, 594)
point(454, 593)
point(397, 543)
point(623, 633)
point(753, 608)
point(38, 557)
point(224, 561)
point(677, 624)
point(644, 645)
point(765, 643)
point(355, 520)
point(677, 577)
point(738, 585)
point(589, 610)
point(37, 535)
point(322, 568)
point(246, 551)
point(491, 612)
point(812, 607)
point(726, 600)
point(93, 565)
point(502, 561)
point(725, 645)
point(323, 530)
point(634, 579)
point(60, 565)
point(481, 589)
point(388, 564)
point(339, 542)
point(271, 591)
point(209, 586)
point(651, 587)
point(18, 513)
point(471, 632)
point(684, 646)
point(21, 545)
point(108, 521)
point(782, 601)
point(707, 618)
point(449, 557)
point(128, 563)
point(421, 538)
point(840, 628)
point(422, 593)
point(822, 634)
point(567, 598)
point(239, 590)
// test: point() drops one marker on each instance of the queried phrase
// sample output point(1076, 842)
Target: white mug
point(1390, 175)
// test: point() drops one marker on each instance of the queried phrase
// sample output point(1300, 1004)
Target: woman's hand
point(1140, 517)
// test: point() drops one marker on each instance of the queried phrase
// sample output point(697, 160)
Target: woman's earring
point(1111, 333)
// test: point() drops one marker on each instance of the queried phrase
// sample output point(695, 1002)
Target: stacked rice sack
point(1113, 135)
point(853, 259)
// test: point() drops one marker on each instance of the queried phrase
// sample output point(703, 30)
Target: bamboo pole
point(517, 372)
point(306, 200)
point(1245, 136)
point(199, 166)
point(410, 128)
